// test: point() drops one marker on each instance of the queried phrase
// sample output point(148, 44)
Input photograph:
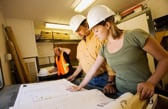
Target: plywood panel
point(137, 22)
point(24, 35)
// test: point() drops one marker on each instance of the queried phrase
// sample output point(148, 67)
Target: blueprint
point(54, 95)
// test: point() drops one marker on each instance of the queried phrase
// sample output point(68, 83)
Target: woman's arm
point(89, 75)
point(161, 55)
point(146, 89)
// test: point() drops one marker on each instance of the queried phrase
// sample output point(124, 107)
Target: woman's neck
point(111, 38)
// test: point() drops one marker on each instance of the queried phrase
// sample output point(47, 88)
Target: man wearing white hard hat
point(87, 51)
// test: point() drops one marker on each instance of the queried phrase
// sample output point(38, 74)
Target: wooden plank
point(24, 73)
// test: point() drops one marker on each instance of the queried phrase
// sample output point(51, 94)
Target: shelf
point(57, 41)
point(135, 14)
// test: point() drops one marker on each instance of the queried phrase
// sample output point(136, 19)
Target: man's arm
point(67, 50)
point(111, 73)
point(75, 74)
point(99, 61)
point(110, 88)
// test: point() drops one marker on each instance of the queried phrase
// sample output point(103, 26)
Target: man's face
point(82, 31)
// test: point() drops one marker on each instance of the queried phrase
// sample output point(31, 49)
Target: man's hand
point(109, 89)
point(71, 78)
point(145, 89)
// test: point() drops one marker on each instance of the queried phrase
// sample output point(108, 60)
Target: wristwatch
point(111, 82)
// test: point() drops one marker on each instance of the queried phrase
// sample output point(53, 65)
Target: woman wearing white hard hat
point(87, 51)
point(125, 51)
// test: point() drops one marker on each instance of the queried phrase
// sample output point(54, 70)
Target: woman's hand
point(145, 89)
point(74, 88)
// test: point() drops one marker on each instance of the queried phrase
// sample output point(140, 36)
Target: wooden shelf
point(135, 14)
point(57, 41)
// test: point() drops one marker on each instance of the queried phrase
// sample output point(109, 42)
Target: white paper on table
point(37, 93)
point(11, 107)
point(54, 95)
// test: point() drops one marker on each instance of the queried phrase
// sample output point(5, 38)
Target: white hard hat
point(97, 14)
point(76, 21)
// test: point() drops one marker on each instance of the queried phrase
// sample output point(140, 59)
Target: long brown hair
point(116, 32)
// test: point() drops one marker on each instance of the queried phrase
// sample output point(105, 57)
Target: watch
point(111, 82)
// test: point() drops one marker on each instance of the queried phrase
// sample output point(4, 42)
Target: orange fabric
point(62, 65)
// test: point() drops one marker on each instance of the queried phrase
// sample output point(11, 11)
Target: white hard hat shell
point(76, 21)
point(97, 14)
